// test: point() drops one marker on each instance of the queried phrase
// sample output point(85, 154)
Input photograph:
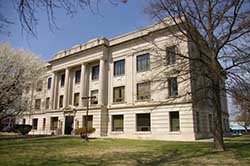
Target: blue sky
point(85, 25)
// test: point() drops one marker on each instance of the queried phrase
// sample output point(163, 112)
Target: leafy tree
point(19, 70)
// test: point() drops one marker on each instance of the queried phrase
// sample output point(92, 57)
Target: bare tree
point(241, 98)
point(29, 10)
point(220, 31)
point(19, 70)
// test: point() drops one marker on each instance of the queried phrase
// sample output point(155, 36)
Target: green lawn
point(73, 151)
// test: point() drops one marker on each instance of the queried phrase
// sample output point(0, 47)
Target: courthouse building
point(135, 79)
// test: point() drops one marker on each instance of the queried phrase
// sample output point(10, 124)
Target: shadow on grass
point(131, 152)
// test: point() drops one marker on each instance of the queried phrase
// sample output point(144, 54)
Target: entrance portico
point(69, 116)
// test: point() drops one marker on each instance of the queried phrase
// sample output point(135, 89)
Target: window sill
point(117, 132)
point(116, 103)
point(93, 105)
point(143, 71)
point(146, 100)
point(171, 97)
point(117, 76)
point(174, 133)
point(143, 132)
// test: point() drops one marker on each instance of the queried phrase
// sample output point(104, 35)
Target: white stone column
point(82, 84)
point(129, 88)
point(54, 91)
point(66, 88)
point(101, 82)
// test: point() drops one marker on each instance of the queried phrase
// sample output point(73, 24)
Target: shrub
point(23, 129)
point(84, 131)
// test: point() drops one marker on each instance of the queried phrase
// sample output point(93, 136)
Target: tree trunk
point(246, 132)
point(218, 131)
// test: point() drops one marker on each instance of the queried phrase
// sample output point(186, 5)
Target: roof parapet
point(80, 47)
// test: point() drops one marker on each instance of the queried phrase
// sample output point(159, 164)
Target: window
point(89, 120)
point(95, 72)
point(117, 123)
point(34, 124)
point(118, 94)
point(53, 123)
point(62, 80)
point(143, 122)
point(94, 93)
point(38, 104)
point(39, 86)
point(210, 122)
point(44, 123)
point(27, 89)
point(24, 121)
point(77, 76)
point(142, 62)
point(143, 91)
point(198, 121)
point(61, 101)
point(174, 121)
point(171, 55)
point(49, 83)
point(76, 99)
point(172, 86)
point(47, 102)
point(119, 67)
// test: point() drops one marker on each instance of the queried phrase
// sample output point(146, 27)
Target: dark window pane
point(117, 123)
point(62, 80)
point(118, 94)
point(38, 104)
point(143, 122)
point(61, 101)
point(119, 67)
point(95, 72)
point(47, 102)
point(53, 123)
point(34, 124)
point(89, 120)
point(143, 62)
point(143, 91)
point(94, 93)
point(44, 123)
point(49, 83)
point(76, 99)
point(77, 76)
point(174, 121)
point(171, 55)
point(173, 86)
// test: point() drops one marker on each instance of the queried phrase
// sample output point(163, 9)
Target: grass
point(75, 152)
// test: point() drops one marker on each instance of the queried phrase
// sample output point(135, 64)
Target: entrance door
point(68, 124)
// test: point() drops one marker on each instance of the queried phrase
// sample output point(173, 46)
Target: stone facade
point(120, 113)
